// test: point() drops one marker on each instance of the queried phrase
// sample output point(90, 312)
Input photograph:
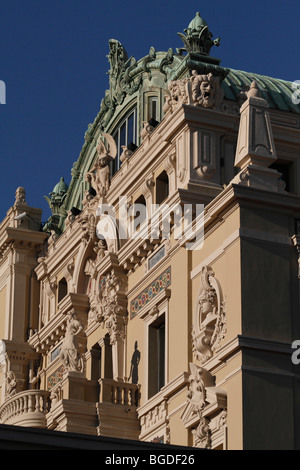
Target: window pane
point(161, 356)
point(130, 135)
point(153, 108)
point(123, 135)
point(156, 357)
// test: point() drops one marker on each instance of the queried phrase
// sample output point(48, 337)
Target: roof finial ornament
point(254, 91)
point(198, 38)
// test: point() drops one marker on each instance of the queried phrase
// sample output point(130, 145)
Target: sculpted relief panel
point(198, 90)
point(209, 323)
point(205, 413)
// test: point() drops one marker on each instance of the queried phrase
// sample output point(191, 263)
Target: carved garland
point(108, 306)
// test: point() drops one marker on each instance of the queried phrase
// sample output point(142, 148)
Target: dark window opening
point(140, 214)
point(96, 368)
point(162, 187)
point(156, 358)
point(62, 289)
point(124, 135)
point(284, 169)
point(153, 110)
point(107, 362)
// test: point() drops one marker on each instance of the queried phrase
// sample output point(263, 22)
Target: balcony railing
point(119, 393)
point(26, 408)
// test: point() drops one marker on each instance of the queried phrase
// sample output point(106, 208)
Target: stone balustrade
point(26, 408)
point(119, 393)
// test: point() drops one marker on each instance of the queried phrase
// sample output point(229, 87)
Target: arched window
point(140, 212)
point(62, 289)
point(125, 134)
point(162, 187)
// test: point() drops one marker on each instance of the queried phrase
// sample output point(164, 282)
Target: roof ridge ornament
point(198, 38)
point(121, 67)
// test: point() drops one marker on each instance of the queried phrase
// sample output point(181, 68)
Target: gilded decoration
point(159, 284)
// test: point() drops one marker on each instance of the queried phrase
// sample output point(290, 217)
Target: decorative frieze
point(55, 377)
point(161, 283)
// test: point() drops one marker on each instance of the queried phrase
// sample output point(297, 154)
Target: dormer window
point(153, 108)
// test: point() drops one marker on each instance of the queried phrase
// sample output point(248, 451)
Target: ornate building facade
point(160, 300)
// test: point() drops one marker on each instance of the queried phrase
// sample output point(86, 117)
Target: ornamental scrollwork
point(108, 306)
point(206, 407)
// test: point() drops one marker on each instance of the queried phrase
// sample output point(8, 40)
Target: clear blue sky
point(53, 61)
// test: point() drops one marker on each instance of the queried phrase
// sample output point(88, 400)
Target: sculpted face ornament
point(198, 90)
point(205, 90)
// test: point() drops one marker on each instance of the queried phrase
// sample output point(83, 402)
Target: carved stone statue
point(69, 351)
point(206, 90)
point(209, 324)
point(98, 176)
point(20, 196)
point(11, 384)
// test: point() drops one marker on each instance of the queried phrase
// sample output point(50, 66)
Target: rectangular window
point(153, 108)
point(156, 356)
point(130, 129)
point(125, 134)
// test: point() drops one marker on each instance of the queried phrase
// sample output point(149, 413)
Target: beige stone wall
point(2, 311)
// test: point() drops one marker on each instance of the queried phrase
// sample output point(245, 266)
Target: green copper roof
point(277, 92)
point(128, 76)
